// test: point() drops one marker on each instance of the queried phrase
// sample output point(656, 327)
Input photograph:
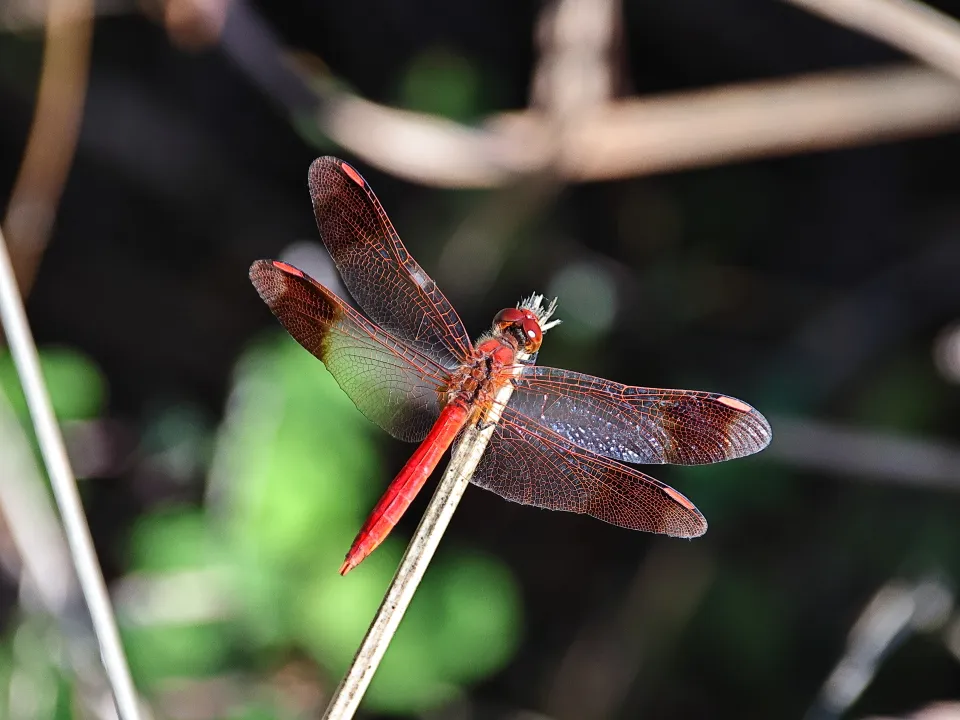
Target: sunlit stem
point(65, 491)
point(466, 456)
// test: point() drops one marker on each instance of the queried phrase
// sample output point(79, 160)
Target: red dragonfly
point(410, 367)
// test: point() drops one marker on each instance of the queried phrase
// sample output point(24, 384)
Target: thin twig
point(914, 27)
point(463, 463)
point(52, 142)
point(871, 456)
point(657, 133)
point(65, 491)
point(626, 138)
point(897, 611)
point(733, 123)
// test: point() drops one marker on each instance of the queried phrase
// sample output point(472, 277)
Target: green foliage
point(440, 82)
point(166, 549)
point(76, 385)
point(162, 650)
point(256, 712)
point(172, 539)
point(298, 471)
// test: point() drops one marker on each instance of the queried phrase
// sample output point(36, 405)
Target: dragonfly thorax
point(479, 380)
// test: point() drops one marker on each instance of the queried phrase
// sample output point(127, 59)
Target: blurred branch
point(751, 120)
point(53, 135)
point(633, 137)
point(657, 134)
point(64, 485)
point(872, 455)
point(895, 612)
point(195, 24)
point(573, 75)
point(574, 72)
point(938, 710)
point(914, 27)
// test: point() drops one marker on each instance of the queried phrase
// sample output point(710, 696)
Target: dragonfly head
point(526, 323)
point(522, 325)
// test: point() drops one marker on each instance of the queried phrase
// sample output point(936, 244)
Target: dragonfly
point(562, 439)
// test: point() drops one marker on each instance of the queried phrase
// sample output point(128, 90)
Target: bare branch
point(655, 134)
point(640, 136)
point(897, 610)
point(53, 135)
point(734, 123)
point(64, 486)
point(873, 456)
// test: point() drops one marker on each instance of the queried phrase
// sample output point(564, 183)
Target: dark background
point(814, 287)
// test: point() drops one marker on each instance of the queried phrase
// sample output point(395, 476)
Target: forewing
point(377, 269)
point(394, 385)
point(638, 424)
point(528, 464)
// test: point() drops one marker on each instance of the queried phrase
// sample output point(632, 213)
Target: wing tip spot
point(351, 173)
point(680, 498)
point(734, 404)
point(280, 265)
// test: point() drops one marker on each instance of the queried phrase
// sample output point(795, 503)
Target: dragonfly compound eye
point(522, 325)
point(510, 316)
point(532, 334)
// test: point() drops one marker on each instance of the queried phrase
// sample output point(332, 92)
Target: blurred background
point(759, 199)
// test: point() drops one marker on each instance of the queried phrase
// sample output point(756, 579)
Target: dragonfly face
point(522, 326)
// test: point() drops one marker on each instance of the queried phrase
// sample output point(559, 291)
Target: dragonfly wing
point(394, 385)
point(638, 424)
point(529, 464)
point(380, 274)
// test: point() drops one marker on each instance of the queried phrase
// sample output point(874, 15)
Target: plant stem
point(24, 351)
point(466, 456)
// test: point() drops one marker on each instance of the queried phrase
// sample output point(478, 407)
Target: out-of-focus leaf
point(335, 612)
point(164, 650)
point(6, 668)
point(439, 82)
point(462, 625)
point(256, 712)
point(173, 539)
point(304, 465)
point(63, 710)
point(303, 471)
point(479, 598)
point(77, 388)
point(162, 544)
